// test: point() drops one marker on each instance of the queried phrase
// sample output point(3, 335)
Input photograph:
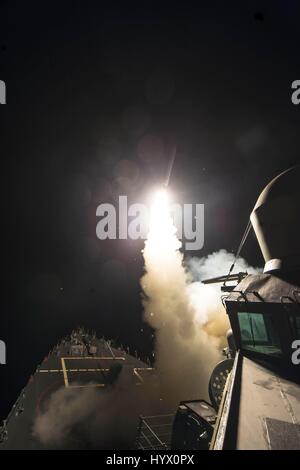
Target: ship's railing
point(16, 408)
point(154, 432)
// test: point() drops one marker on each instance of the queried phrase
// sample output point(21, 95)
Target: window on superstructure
point(259, 333)
point(295, 325)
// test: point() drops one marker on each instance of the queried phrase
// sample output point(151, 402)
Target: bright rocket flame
point(159, 211)
point(161, 242)
point(161, 197)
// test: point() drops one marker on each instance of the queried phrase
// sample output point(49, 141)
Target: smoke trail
point(189, 320)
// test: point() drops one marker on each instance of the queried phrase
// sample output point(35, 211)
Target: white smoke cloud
point(206, 298)
point(217, 264)
point(91, 417)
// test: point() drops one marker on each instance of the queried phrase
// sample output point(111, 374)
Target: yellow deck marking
point(64, 372)
point(88, 386)
point(74, 370)
point(91, 358)
point(138, 375)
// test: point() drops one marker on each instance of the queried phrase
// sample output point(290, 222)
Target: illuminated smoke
point(95, 418)
point(206, 299)
point(188, 318)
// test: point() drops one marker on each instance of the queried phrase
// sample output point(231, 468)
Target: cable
point(244, 238)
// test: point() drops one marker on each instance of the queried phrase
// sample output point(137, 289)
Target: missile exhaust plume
point(188, 317)
point(185, 353)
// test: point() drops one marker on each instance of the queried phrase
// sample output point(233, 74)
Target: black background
point(85, 83)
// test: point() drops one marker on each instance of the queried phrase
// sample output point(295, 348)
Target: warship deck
point(79, 362)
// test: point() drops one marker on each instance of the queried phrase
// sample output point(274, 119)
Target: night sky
point(97, 97)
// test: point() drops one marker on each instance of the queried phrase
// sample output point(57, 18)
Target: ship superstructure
point(80, 362)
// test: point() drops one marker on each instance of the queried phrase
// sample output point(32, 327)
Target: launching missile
point(170, 166)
